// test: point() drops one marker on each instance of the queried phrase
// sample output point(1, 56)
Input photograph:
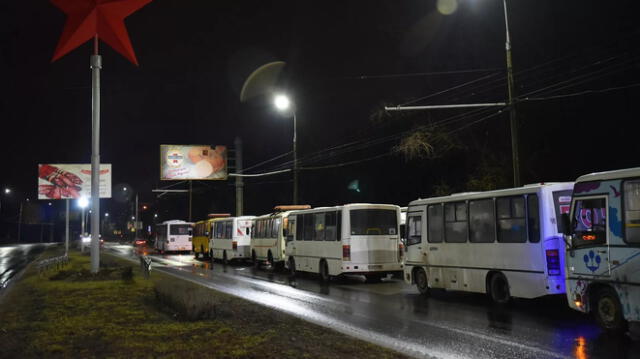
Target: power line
point(581, 93)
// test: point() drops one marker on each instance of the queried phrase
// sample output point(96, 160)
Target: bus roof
point(531, 188)
point(599, 176)
point(176, 221)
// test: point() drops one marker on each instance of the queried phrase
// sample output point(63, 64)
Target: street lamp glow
point(7, 190)
point(132, 218)
point(155, 215)
point(282, 102)
point(83, 202)
point(106, 214)
point(124, 189)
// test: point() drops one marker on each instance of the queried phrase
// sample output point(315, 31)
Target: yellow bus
point(201, 233)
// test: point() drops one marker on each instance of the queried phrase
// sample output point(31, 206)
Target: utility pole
point(512, 106)
point(135, 223)
point(19, 222)
point(66, 229)
point(190, 197)
point(239, 182)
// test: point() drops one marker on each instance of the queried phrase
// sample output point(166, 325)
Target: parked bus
point(267, 238)
point(201, 235)
point(603, 254)
point(506, 243)
point(231, 238)
point(350, 239)
point(173, 236)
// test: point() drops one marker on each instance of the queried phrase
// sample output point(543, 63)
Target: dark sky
point(345, 59)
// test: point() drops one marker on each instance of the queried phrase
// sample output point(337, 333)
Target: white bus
point(173, 236)
point(504, 243)
point(231, 238)
point(267, 237)
point(350, 239)
point(603, 254)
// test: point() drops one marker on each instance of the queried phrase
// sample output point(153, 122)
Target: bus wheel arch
point(419, 277)
point(605, 306)
point(498, 287)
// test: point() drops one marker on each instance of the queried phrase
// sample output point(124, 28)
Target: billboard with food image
point(193, 162)
point(64, 181)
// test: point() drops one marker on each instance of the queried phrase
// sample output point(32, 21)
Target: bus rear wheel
point(324, 272)
point(420, 277)
point(608, 311)
point(499, 289)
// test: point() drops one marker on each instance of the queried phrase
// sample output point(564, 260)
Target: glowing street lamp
point(83, 202)
point(284, 104)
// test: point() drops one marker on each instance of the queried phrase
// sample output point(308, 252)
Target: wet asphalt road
point(13, 258)
point(393, 314)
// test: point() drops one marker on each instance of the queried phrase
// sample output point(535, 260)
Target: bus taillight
point(234, 245)
point(346, 253)
point(553, 261)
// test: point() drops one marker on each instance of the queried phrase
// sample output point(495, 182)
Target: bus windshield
point(374, 222)
point(180, 229)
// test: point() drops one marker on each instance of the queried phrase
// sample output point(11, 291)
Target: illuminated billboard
point(63, 181)
point(193, 162)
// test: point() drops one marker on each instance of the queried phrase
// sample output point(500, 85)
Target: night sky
point(577, 75)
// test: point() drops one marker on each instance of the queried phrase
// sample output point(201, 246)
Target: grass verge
point(73, 313)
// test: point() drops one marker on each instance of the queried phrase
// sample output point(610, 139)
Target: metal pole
point(20, 222)
point(239, 181)
point(96, 65)
point(295, 159)
point(512, 107)
point(82, 223)
point(190, 197)
point(66, 230)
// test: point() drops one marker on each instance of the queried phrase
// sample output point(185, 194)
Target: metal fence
point(50, 263)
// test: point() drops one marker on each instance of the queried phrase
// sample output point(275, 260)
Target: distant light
point(124, 189)
point(144, 207)
point(132, 218)
point(83, 202)
point(49, 202)
point(7, 190)
point(155, 215)
point(447, 7)
point(281, 102)
point(27, 199)
point(106, 214)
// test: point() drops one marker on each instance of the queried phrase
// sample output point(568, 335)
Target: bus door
point(589, 252)
point(416, 245)
point(290, 236)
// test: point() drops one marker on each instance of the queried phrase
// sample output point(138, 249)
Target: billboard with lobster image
point(63, 181)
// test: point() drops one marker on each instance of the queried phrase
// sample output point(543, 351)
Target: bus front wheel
point(499, 289)
point(420, 278)
point(608, 311)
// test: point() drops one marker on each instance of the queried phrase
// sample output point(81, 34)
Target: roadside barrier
point(54, 262)
point(145, 264)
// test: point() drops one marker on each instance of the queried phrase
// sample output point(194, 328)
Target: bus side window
point(299, 227)
point(533, 218)
point(291, 229)
point(435, 224)
point(308, 227)
point(511, 220)
point(331, 228)
point(318, 223)
point(415, 230)
point(632, 211)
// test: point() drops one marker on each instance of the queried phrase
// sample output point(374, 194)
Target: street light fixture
point(284, 104)
point(83, 202)
point(7, 190)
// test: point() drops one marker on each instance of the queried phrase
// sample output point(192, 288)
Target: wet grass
point(73, 313)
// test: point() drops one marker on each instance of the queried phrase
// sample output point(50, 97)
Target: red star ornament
point(97, 18)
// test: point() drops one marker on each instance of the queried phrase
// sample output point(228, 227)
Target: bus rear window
point(374, 222)
point(562, 204)
point(179, 229)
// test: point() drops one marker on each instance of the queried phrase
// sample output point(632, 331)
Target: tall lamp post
point(283, 104)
